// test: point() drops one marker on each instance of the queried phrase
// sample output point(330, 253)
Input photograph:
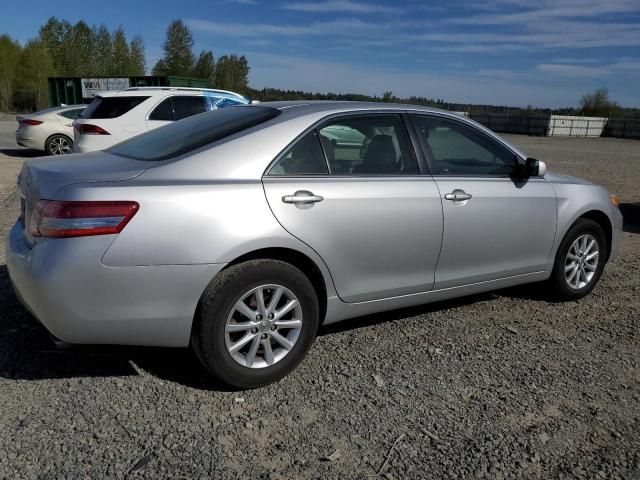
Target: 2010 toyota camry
point(239, 232)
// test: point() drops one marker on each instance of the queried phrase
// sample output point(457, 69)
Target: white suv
point(116, 116)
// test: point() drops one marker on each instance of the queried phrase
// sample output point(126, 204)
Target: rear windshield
point(192, 133)
point(111, 107)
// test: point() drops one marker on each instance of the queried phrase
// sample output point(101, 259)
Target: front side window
point(304, 158)
point(184, 106)
point(368, 145)
point(459, 149)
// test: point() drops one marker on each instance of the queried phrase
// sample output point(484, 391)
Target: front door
point(497, 224)
point(352, 190)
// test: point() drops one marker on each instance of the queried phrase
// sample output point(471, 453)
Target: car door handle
point(458, 196)
point(303, 197)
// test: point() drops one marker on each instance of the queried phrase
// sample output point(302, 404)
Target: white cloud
point(339, 6)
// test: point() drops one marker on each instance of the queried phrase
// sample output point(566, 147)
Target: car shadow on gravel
point(19, 152)
point(631, 217)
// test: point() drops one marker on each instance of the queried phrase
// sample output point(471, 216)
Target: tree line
point(63, 49)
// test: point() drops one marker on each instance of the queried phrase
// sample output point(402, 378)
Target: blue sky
point(516, 52)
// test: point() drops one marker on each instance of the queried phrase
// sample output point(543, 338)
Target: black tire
point(557, 283)
point(217, 302)
point(58, 145)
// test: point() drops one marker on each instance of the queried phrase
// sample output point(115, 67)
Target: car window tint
point(459, 149)
point(111, 107)
point(368, 145)
point(304, 158)
point(192, 133)
point(184, 106)
point(71, 114)
point(164, 111)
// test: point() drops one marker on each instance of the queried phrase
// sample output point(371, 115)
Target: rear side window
point(111, 107)
point(192, 133)
point(368, 145)
point(304, 158)
point(164, 111)
point(184, 106)
point(72, 114)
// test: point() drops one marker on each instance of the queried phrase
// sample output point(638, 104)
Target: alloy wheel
point(582, 261)
point(263, 326)
point(60, 146)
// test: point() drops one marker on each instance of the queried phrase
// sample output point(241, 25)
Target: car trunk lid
point(43, 178)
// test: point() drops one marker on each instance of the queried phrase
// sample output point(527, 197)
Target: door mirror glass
point(534, 167)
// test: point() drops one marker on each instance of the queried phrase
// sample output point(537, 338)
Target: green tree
point(137, 62)
point(178, 56)
point(34, 68)
point(79, 51)
point(103, 51)
point(598, 104)
point(120, 63)
point(54, 34)
point(9, 58)
point(205, 66)
point(232, 73)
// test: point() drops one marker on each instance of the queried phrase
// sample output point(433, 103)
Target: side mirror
point(534, 167)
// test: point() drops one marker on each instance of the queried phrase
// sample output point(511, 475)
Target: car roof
point(163, 91)
point(292, 109)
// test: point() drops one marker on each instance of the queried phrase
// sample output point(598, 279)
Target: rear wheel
point(58, 145)
point(255, 323)
point(580, 261)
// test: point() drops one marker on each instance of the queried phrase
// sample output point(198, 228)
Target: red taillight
point(52, 218)
point(30, 122)
point(88, 129)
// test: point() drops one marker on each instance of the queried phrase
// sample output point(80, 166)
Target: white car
point(116, 116)
point(50, 130)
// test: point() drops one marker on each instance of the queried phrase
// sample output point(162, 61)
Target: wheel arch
point(58, 134)
point(299, 260)
point(603, 220)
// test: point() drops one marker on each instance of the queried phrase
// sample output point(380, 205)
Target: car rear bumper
point(80, 301)
point(92, 143)
point(25, 140)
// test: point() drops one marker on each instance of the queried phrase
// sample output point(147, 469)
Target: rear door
point(352, 190)
point(497, 224)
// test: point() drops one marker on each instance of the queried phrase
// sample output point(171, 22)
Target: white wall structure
point(576, 126)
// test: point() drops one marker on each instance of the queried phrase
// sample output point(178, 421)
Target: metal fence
point(622, 128)
point(560, 125)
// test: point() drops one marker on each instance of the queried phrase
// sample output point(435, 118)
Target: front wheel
point(255, 323)
point(579, 261)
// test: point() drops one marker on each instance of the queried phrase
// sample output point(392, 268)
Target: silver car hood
point(566, 179)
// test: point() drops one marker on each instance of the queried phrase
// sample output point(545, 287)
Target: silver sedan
point(239, 232)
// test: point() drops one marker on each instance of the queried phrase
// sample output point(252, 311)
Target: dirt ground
point(501, 385)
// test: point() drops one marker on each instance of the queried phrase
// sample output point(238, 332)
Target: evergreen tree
point(178, 56)
point(232, 73)
point(205, 67)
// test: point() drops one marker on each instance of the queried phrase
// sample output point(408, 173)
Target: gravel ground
point(502, 385)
